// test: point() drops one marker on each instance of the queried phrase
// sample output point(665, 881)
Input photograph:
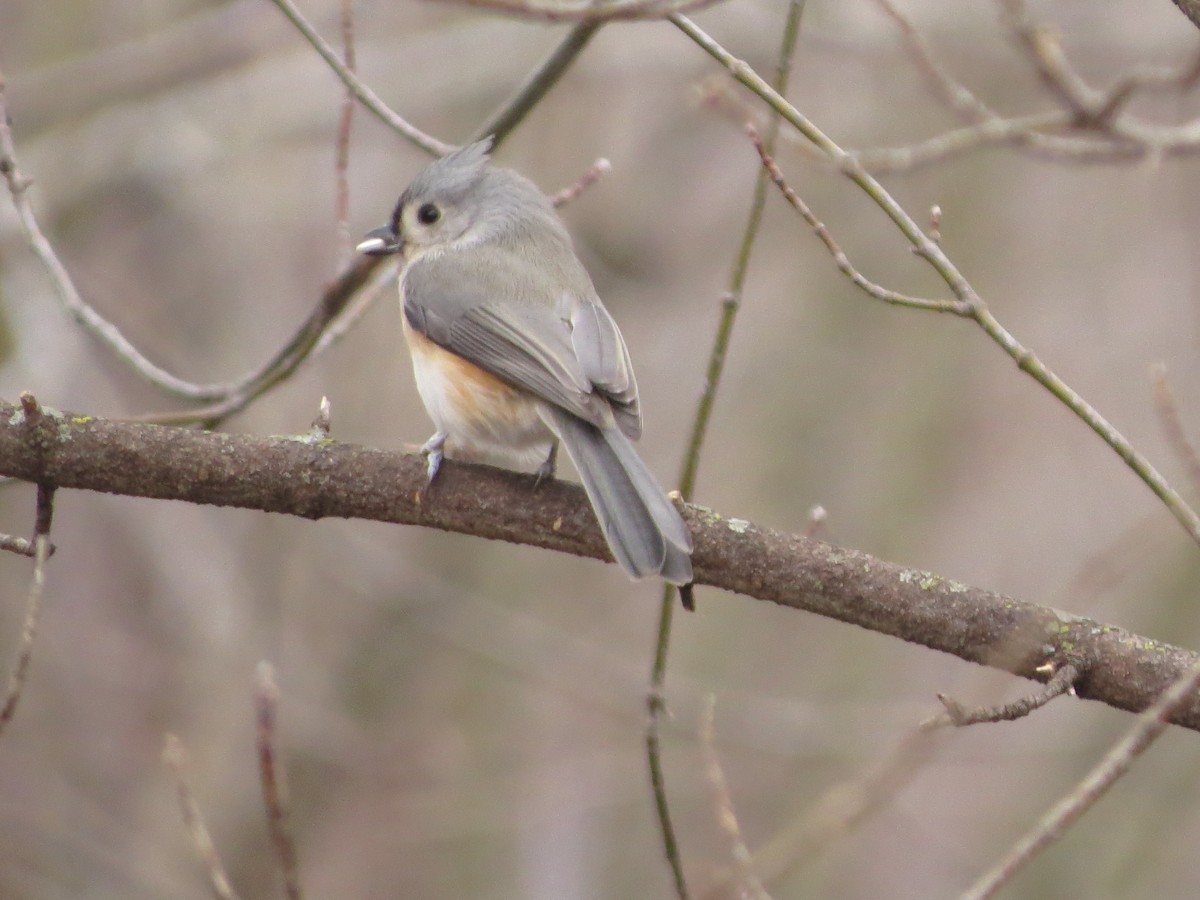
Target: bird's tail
point(645, 532)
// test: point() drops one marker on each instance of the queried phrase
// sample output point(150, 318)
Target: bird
point(514, 353)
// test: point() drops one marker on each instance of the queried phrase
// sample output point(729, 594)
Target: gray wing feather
point(576, 361)
point(602, 353)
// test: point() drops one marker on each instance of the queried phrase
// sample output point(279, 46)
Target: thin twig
point(954, 94)
point(274, 783)
point(175, 757)
point(342, 142)
point(598, 169)
point(588, 11)
point(746, 881)
point(356, 307)
point(1092, 108)
point(18, 545)
point(94, 323)
point(1054, 824)
point(537, 83)
point(839, 810)
point(1111, 140)
point(958, 715)
point(840, 259)
point(364, 94)
point(932, 252)
point(33, 604)
point(1168, 414)
point(690, 465)
point(223, 399)
point(300, 347)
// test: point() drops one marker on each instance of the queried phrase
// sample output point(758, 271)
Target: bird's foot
point(548, 467)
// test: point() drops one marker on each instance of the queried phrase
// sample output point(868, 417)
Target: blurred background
point(466, 719)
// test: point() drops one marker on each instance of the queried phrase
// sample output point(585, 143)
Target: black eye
point(428, 214)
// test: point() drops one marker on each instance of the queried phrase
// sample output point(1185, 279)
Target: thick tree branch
point(318, 478)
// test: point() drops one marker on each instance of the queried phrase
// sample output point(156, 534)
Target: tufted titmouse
point(513, 351)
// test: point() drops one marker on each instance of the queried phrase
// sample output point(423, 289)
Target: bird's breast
point(482, 414)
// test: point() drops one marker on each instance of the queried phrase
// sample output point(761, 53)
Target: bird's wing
point(562, 347)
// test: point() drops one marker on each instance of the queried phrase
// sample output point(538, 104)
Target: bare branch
point(538, 83)
point(840, 259)
point(279, 367)
point(690, 467)
point(320, 479)
point(1111, 139)
point(1151, 724)
point(953, 93)
point(224, 399)
point(598, 169)
point(33, 605)
point(838, 811)
point(958, 715)
point(359, 89)
point(933, 253)
point(175, 758)
point(93, 323)
point(1168, 414)
point(747, 883)
point(341, 213)
point(274, 784)
point(587, 11)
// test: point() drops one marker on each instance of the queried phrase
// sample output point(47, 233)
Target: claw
point(548, 467)
point(434, 455)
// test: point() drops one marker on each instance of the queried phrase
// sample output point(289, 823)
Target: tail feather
point(645, 532)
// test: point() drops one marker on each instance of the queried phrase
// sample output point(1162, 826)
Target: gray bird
point(514, 352)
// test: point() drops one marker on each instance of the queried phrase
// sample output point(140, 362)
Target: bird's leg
point(548, 467)
point(432, 449)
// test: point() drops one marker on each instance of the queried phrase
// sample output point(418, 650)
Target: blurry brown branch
point(838, 811)
point(271, 777)
point(358, 88)
point(746, 883)
point(840, 259)
point(175, 758)
point(1191, 9)
point(595, 172)
point(1177, 696)
point(279, 367)
point(44, 514)
point(321, 478)
point(589, 11)
point(342, 143)
point(94, 323)
point(537, 83)
point(1089, 125)
point(223, 399)
point(1168, 415)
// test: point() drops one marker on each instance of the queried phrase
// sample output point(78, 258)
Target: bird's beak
point(381, 242)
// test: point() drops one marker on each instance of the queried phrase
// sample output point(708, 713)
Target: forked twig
point(1060, 817)
point(958, 715)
